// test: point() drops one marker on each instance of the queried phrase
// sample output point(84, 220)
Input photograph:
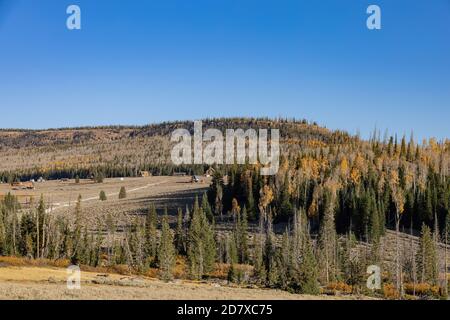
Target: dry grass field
point(61, 196)
point(50, 283)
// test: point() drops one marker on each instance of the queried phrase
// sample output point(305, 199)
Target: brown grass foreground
point(42, 279)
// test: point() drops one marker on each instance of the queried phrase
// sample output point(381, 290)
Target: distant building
point(29, 185)
point(144, 174)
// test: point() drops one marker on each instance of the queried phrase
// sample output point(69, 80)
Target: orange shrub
point(221, 270)
point(152, 273)
point(14, 261)
point(121, 269)
point(336, 288)
point(24, 262)
point(422, 289)
point(390, 292)
point(341, 286)
point(60, 263)
point(180, 269)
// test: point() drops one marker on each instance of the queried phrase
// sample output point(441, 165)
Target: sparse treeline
point(98, 173)
point(35, 233)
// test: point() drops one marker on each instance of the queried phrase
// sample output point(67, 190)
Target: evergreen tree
point(196, 251)
point(102, 196)
point(201, 244)
point(122, 193)
point(250, 203)
point(375, 229)
point(210, 247)
point(166, 251)
point(207, 208)
point(286, 266)
point(138, 245)
point(40, 221)
point(258, 260)
point(99, 177)
point(427, 258)
point(271, 256)
point(180, 236)
point(231, 276)
point(2, 234)
point(403, 147)
point(307, 271)
point(285, 202)
point(77, 232)
point(83, 250)
point(232, 250)
point(274, 270)
point(215, 193)
point(351, 262)
point(328, 244)
point(242, 236)
point(151, 241)
point(96, 261)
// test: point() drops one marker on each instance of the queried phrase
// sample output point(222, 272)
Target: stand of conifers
point(294, 259)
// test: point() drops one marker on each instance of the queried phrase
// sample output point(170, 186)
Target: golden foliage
point(235, 208)
point(313, 143)
point(23, 262)
point(355, 175)
point(359, 162)
point(390, 292)
point(266, 196)
point(221, 270)
point(335, 288)
point(313, 209)
point(310, 167)
point(422, 289)
point(180, 268)
point(344, 167)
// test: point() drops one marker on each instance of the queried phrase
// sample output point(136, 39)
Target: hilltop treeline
point(124, 151)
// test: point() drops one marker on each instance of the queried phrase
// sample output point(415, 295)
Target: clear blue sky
point(145, 61)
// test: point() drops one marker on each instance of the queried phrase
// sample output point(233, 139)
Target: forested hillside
point(124, 151)
point(333, 195)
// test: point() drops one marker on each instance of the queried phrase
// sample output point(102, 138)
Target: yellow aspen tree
point(398, 197)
